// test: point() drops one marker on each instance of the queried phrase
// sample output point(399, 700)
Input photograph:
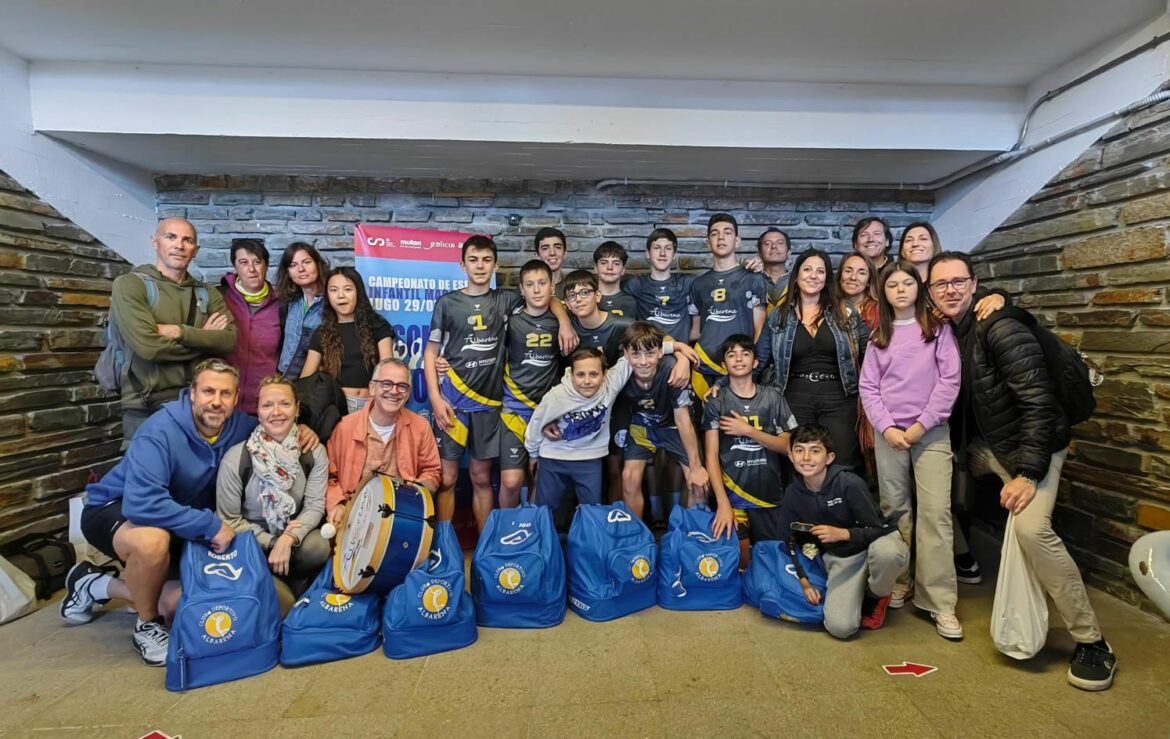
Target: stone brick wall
point(1089, 254)
point(323, 211)
point(57, 428)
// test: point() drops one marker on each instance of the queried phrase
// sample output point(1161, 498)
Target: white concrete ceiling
point(990, 42)
point(835, 91)
point(486, 160)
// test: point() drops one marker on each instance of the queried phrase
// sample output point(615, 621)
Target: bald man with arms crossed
point(168, 321)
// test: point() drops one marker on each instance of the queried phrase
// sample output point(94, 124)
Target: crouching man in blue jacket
point(160, 494)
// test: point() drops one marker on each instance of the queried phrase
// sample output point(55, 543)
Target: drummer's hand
point(307, 439)
point(336, 514)
point(443, 414)
point(223, 538)
point(280, 553)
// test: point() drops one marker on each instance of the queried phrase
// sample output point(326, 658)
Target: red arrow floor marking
point(909, 668)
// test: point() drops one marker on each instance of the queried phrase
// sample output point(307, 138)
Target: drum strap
point(245, 468)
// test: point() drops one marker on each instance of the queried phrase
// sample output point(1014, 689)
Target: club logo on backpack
point(224, 570)
point(708, 567)
point(336, 602)
point(640, 569)
point(510, 578)
point(435, 596)
point(218, 624)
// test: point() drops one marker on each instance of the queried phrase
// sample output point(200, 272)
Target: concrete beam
point(325, 104)
point(970, 209)
point(112, 201)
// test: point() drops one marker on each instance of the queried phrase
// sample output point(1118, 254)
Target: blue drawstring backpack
point(518, 570)
point(431, 612)
point(697, 572)
point(612, 557)
point(227, 625)
point(772, 585)
point(326, 625)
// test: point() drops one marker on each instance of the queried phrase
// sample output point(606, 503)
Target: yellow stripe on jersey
point(700, 385)
point(458, 432)
point(515, 423)
point(711, 364)
point(462, 387)
point(516, 391)
point(640, 437)
point(727, 483)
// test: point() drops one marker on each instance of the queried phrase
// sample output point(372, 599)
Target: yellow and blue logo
point(218, 624)
point(510, 578)
point(640, 569)
point(708, 567)
point(435, 597)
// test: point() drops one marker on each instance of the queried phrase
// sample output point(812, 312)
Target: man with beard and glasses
point(383, 437)
point(167, 321)
point(159, 495)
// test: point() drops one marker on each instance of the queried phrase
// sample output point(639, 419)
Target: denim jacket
point(775, 346)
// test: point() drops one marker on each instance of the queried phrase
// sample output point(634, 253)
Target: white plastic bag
point(17, 592)
point(1019, 615)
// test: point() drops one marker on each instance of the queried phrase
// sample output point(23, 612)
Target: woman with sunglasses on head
point(256, 310)
point(352, 338)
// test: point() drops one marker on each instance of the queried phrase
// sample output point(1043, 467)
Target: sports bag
point(431, 612)
point(228, 622)
point(518, 570)
point(111, 363)
point(696, 571)
point(326, 625)
point(612, 558)
point(771, 583)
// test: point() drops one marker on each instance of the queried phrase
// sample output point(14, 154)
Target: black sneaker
point(77, 605)
point(1092, 666)
point(967, 569)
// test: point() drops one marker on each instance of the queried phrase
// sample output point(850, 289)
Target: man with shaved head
point(167, 321)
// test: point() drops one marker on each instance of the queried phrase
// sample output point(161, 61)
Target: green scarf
point(252, 298)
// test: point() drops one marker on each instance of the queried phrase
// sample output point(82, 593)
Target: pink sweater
point(909, 380)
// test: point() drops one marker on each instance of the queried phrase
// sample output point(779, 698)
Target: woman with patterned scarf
point(268, 487)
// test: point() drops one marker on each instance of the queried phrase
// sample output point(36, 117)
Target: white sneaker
point(151, 640)
point(77, 605)
point(947, 625)
point(900, 595)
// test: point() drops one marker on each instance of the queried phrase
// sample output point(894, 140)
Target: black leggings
point(827, 404)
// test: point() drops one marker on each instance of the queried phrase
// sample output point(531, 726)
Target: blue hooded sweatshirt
point(167, 477)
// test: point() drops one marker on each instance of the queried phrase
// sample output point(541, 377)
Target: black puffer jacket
point(1007, 392)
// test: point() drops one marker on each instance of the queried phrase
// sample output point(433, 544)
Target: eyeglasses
point(391, 387)
point(583, 294)
point(959, 284)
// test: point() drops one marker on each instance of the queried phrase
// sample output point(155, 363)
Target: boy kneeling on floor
point(832, 509)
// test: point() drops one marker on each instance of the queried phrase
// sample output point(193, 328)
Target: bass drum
point(384, 535)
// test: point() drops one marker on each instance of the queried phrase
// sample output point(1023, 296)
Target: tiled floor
point(657, 673)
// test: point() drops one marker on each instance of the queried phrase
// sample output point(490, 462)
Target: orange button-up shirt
point(415, 455)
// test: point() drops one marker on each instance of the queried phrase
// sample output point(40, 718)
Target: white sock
point(99, 587)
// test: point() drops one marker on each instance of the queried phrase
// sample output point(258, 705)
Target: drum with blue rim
point(384, 535)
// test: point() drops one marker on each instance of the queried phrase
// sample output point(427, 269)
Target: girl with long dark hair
point(352, 338)
point(909, 382)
